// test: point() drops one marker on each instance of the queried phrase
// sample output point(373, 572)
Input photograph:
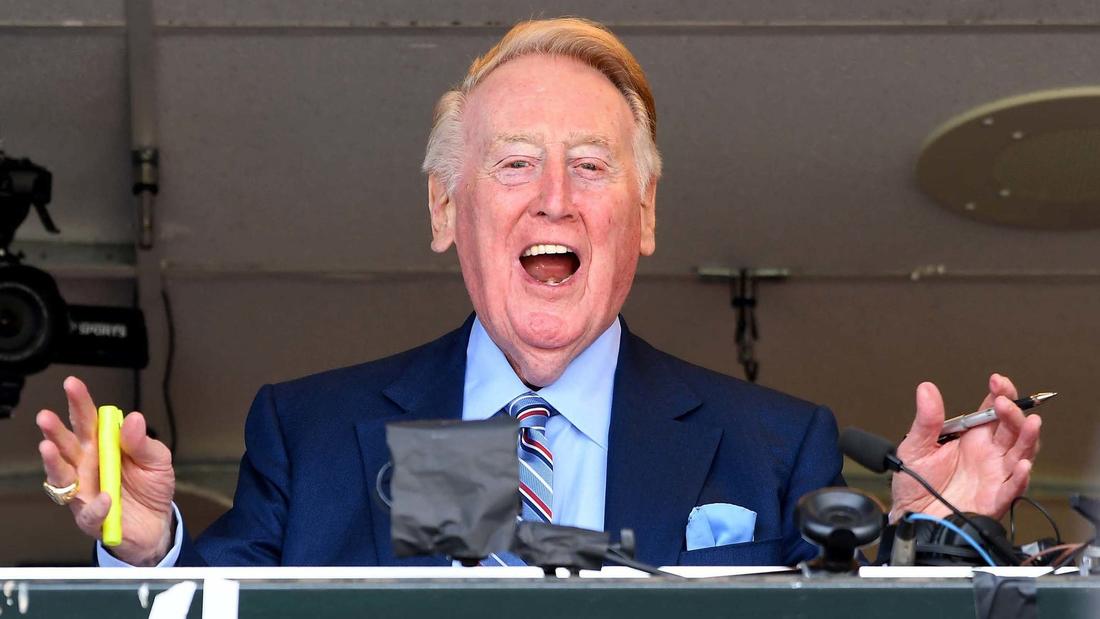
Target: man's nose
point(555, 199)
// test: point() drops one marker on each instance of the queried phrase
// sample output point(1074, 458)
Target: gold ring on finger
point(63, 495)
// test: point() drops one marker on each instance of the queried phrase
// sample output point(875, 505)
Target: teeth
point(538, 250)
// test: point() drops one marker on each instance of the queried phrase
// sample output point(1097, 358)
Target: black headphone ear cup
point(939, 545)
point(944, 554)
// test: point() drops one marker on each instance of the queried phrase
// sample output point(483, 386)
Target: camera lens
point(23, 318)
point(11, 322)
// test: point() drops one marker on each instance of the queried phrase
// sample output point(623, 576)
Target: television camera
point(37, 326)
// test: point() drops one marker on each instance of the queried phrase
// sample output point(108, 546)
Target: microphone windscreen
point(869, 450)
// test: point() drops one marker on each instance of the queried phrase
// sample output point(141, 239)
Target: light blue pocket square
point(718, 524)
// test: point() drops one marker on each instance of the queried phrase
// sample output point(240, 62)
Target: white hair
point(575, 38)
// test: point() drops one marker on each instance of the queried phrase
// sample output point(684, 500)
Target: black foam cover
point(869, 450)
point(454, 487)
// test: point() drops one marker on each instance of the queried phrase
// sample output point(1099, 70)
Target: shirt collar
point(582, 394)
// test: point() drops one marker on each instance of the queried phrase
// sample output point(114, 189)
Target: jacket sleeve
point(817, 465)
point(251, 532)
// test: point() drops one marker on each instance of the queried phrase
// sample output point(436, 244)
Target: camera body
point(37, 326)
point(23, 184)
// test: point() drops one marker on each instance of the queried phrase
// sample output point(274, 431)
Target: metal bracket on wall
point(743, 298)
point(146, 163)
point(79, 260)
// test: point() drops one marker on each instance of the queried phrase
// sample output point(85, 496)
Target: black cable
point(136, 304)
point(1012, 521)
point(166, 385)
point(1042, 510)
point(617, 557)
point(137, 391)
point(920, 480)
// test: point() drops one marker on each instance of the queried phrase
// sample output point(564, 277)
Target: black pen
point(954, 427)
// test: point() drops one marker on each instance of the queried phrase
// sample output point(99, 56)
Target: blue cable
point(951, 526)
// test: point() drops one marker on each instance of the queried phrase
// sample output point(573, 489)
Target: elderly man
point(542, 171)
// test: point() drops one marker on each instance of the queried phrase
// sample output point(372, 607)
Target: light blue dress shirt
point(577, 437)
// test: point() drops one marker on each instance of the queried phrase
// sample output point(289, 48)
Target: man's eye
point(515, 171)
point(590, 167)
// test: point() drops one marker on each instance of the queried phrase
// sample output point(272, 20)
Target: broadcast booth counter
point(319, 593)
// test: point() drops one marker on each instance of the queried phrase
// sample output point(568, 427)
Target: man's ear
point(442, 210)
point(649, 219)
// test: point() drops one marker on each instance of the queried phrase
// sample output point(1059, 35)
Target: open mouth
point(550, 264)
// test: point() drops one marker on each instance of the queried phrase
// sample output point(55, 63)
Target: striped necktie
point(536, 463)
point(536, 466)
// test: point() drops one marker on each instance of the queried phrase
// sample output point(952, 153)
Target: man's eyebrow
point(588, 139)
point(514, 138)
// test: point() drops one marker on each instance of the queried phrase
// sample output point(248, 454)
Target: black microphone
point(871, 451)
point(879, 455)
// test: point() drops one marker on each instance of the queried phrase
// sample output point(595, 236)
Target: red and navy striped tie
point(536, 466)
point(536, 463)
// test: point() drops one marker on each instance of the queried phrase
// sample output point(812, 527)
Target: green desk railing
point(766, 596)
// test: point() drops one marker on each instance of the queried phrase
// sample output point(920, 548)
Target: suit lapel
point(430, 387)
point(656, 463)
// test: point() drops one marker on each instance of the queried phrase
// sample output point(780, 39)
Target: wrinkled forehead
point(569, 140)
point(547, 99)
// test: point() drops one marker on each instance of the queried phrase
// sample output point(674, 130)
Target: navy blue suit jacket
point(680, 436)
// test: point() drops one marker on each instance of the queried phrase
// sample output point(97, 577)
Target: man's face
point(548, 217)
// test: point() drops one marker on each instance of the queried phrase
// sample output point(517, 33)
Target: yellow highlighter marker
point(110, 471)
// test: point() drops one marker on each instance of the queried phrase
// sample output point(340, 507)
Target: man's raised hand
point(148, 481)
point(982, 471)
